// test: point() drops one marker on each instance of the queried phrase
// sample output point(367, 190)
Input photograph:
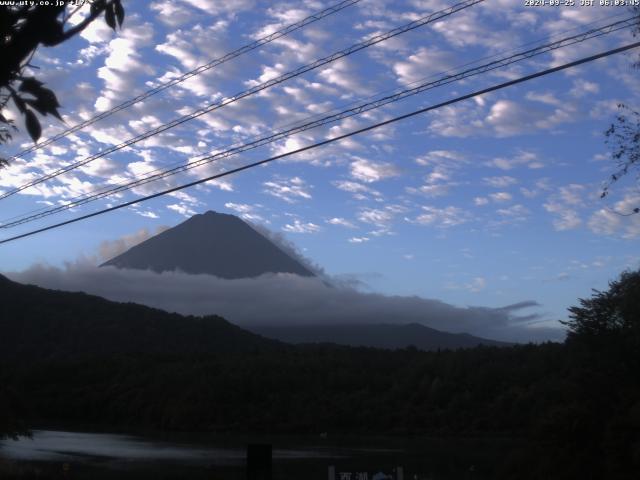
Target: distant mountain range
point(214, 244)
point(224, 246)
point(387, 336)
point(37, 323)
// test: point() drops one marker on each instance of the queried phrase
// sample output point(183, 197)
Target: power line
point(359, 109)
point(258, 88)
point(192, 73)
point(334, 139)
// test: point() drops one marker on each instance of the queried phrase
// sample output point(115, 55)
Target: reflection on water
point(103, 456)
point(64, 446)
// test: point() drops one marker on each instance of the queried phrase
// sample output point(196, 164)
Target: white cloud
point(358, 190)
point(172, 13)
point(217, 7)
point(358, 239)
point(547, 98)
point(476, 285)
point(380, 217)
point(583, 88)
point(124, 65)
point(342, 74)
point(564, 206)
point(289, 190)
point(369, 172)
point(246, 211)
point(300, 227)
point(342, 222)
point(423, 63)
point(432, 191)
point(523, 158)
point(440, 158)
point(499, 182)
point(500, 196)
point(618, 219)
point(510, 118)
point(442, 217)
point(566, 217)
point(183, 209)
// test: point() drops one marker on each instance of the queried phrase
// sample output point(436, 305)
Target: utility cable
point(333, 139)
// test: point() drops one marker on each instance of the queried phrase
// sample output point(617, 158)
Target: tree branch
point(82, 25)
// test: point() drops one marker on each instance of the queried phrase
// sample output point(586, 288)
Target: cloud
point(499, 182)
point(425, 62)
point(442, 217)
point(306, 301)
point(500, 196)
point(171, 13)
point(584, 87)
point(619, 219)
point(301, 227)
point(564, 205)
point(247, 212)
point(369, 172)
point(343, 222)
point(183, 209)
point(440, 158)
point(217, 7)
point(476, 285)
point(358, 239)
point(523, 158)
point(358, 190)
point(342, 74)
point(289, 190)
point(123, 65)
point(380, 217)
point(290, 248)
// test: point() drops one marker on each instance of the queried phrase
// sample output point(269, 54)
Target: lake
point(108, 455)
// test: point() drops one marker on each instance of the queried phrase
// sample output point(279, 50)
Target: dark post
point(259, 460)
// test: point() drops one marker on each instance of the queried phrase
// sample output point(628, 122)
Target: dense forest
point(575, 405)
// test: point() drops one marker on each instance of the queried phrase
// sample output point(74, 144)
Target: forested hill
point(577, 404)
point(37, 323)
point(387, 336)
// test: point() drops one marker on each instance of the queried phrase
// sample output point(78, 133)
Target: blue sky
point(488, 202)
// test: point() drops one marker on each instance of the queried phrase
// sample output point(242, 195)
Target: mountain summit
point(211, 243)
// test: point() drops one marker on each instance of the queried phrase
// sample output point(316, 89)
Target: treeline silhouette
point(576, 406)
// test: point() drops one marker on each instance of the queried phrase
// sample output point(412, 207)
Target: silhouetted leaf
point(33, 125)
point(52, 31)
point(50, 97)
point(31, 85)
point(110, 16)
point(44, 107)
point(19, 103)
point(45, 102)
point(119, 11)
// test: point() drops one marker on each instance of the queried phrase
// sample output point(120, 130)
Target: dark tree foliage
point(572, 410)
point(610, 315)
point(23, 28)
point(623, 137)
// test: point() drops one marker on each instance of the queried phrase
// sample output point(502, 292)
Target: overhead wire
point(433, 17)
point(192, 73)
point(458, 99)
point(359, 109)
